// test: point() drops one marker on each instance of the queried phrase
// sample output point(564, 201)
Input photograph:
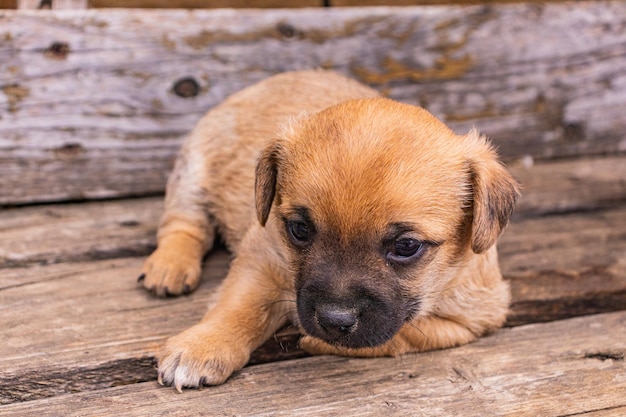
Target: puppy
point(367, 223)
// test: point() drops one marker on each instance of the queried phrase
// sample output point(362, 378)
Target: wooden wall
point(95, 103)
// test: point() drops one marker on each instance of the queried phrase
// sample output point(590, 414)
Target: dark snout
point(337, 321)
point(354, 317)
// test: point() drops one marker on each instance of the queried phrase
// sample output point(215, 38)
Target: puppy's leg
point(250, 308)
point(420, 335)
point(186, 231)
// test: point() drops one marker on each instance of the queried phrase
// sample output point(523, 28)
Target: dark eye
point(300, 232)
point(405, 249)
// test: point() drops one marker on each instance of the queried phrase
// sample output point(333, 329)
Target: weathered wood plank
point(166, 4)
point(92, 319)
point(65, 277)
point(8, 4)
point(570, 185)
point(79, 232)
point(565, 266)
point(97, 230)
point(65, 321)
point(208, 4)
point(51, 4)
point(95, 103)
point(571, 367)
point(204, 4)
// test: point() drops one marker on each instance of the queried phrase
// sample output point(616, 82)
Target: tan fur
point(357, 163)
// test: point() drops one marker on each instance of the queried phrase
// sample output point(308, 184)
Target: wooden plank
point(52, 4)
point(92, 104)
point(97, 230)
point(571, 367)
point(570, 185)
point(8, 4)
point(205, 4)
point(97, 328)
point(88, 317)
point(369, 3)
point(565, 266)
point(79, 232)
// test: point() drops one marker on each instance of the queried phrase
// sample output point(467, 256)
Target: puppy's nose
point(337, 321)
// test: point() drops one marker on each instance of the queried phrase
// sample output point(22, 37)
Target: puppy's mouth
point(355, 321)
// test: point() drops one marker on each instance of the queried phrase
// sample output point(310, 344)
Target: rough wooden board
point(564, 266)
point(204, 4)
point(88, 108)
point(570, 185)
point(96, 328)
point(563, 368)
point(77, 232)
point(71, 327)
point(558, 266)
point(168, 4)
point(368, 3)
point(97, 230)
point(8, 4)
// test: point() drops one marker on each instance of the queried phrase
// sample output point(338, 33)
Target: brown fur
point(347, 186)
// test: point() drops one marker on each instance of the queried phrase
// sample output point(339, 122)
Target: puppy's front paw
point(199, 356)
point(171, 271)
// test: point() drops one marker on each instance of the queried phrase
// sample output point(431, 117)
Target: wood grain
point(204, 4)
point(96, 230)
point(67, 275)
point(95, 103)
point(526, 371)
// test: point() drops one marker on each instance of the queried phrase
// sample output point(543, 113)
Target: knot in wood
point(58, 50)
point(186, 87)
point(286, 30)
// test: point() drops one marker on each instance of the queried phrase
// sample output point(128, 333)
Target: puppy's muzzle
point(358, 317)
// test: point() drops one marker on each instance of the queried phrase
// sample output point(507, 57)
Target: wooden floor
point(79, 335)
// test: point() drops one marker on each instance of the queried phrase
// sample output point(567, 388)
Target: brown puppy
point(373, 227)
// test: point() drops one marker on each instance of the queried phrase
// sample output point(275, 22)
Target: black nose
point(337, 321)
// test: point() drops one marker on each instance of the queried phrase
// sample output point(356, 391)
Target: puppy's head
point(378, 203)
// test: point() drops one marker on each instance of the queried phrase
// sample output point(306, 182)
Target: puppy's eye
point(300, 232)
point(406, 249)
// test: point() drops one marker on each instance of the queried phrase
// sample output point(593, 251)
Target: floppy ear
point(494, 194)
point(265, 181)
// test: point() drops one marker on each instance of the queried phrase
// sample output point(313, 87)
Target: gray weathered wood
point(78, 232)
point(96, 230)
point(89, 109)
point(571, 367)
point(570, 185)
point(95, 327)
point(63, 322)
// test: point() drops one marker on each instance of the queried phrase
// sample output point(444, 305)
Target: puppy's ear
point(265, 181)
point(494, 192)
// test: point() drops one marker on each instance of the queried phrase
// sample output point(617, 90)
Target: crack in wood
point(594, 411)
point(38, 385)
point(604, 356)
